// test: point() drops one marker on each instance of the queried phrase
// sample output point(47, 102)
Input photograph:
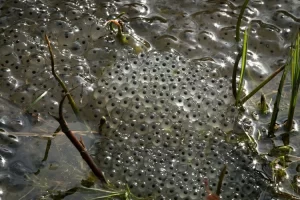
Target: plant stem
point(246, 98)
point(62, 84)
point(238, 25)
point(243, 66)
point(276, 104)
point(295, 74)
point(79, 146)
point(263, 104)
point(220, 182)
point(234, 73)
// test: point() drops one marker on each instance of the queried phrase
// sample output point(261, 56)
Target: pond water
point(165, 90)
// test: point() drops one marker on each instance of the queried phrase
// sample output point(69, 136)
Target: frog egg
point(82, 95)
point(5, 72)
point(74, 81)
point(4, 22)
point(129, 115)
point(93, 114)
point(22, 97)
point(96, 68)
point(20, 48)
point(127, 68)
point(6, 50)
point(59, 26)
point(189, 104)
point(213, 122)
point(31, 72)
point(144, 90)
point(79, 70)
point(73, 14)
point(36, 60)
point(31, 13)
point(112, 104)
point(97, 31)
point(174, 89)
point(66, 38)
point(46, 83)
point(141, 128)
point(107, 162)
point(118, 137)
point(47, 105)
point(148, 102)
point(10, 60)
point(84, 29)
point(96, 54)
point(101, 90)
point(115, 123)
point(150, 116)
point(157, 140)
point(77, 48)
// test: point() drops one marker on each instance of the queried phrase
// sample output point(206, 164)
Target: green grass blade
point(246, 98)
point(221, 178)
point(243, 67)
point(239, 21)
point(234, 73)
point(277, 102)
point(295, 73)
point(263, 104)
point(39, 98)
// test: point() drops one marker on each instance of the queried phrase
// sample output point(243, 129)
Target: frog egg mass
point(166, 129)
point(166, 93)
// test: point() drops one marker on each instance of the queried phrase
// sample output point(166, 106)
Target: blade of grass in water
point(295, 75)
point(276, 103)
point(234, 72)
point(253, 92)
point(239, 21)
point(238, 57)
point(39, 98)
point(221, 178)
point(263, 104)
point(243, 67)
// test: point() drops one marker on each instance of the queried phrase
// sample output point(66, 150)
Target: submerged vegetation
point(183, 153)
point(243, 67)
point(281, 154)
point(294, 66)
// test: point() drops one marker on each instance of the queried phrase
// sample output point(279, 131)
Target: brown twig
point(62, 84)
point(82, 150)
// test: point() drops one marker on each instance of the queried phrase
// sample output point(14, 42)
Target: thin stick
point(62, 84)
point(81, 149)
point(49, 142)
